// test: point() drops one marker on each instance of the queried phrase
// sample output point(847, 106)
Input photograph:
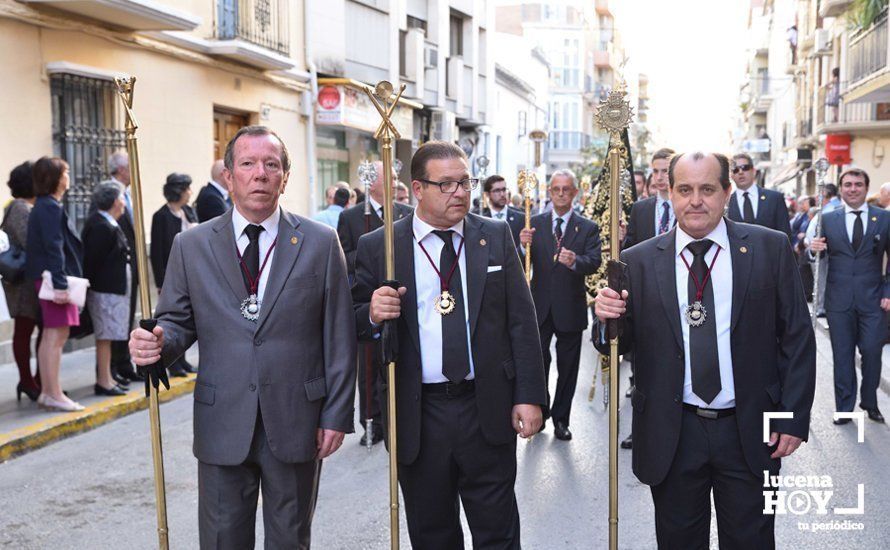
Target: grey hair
point(116, 161)
point(105, 194)
point(566, 173)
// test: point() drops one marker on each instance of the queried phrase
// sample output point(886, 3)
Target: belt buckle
point(448, 389)
point(707, 413)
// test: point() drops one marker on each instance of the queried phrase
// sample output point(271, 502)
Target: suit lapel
point(761, 205)
point(741, 267)
point(869, 236)
point(545, 228)
point(404, 263)
point(477, 267)
point(222, 243)
point(287, 248)
point(666, 275)
point(571, 231)
point(733, 211)
point(838, 225)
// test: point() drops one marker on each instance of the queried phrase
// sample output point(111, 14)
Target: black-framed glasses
point(741, 168)
point(449, 187)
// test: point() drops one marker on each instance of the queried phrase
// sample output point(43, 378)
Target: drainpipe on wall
point(311, 158)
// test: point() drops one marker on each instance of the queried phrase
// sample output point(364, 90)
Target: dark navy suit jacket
point(53, 243)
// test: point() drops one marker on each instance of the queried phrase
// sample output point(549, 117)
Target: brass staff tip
point(383, 90)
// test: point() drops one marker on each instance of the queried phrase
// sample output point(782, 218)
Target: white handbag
point(77, 289)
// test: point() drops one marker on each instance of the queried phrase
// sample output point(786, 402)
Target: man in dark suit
point(857, 237)
point(499, 209)
point(648, 218)
point(213, 199)
point(354, 223)
point(739, 345)
point(565, 248)
point(274, 394)
point(469, 375)
point(753, 204)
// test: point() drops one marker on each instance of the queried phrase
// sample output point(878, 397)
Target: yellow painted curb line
point(62, 425)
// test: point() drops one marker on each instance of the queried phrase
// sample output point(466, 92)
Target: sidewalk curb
point(61, 426)
point(884, 385)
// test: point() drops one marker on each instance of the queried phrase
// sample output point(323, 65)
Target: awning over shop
point(785, 173)
point(343, 102)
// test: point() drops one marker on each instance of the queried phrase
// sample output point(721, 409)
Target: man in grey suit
point(274, 394)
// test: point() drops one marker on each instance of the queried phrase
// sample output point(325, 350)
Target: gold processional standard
point(154, 374)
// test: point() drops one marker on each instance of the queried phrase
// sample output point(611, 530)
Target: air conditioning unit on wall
point(443, 126)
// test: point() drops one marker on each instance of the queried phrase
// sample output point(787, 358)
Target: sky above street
point(693, 52)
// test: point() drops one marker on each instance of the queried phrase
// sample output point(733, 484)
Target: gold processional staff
point(614, 115)
point(155, 375)
point(383, 101)
point(528, 185)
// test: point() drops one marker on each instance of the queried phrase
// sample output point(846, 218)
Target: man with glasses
point(354, 223)
point(565, 249)
point(499, 209)
point(752, 204)
point(469, 372)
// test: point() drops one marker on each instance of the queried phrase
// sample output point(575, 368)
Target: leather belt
point(709, 413)
point(450, 389)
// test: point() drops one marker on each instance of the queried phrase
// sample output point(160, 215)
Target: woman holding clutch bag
point(106, 263)
point(53, 246)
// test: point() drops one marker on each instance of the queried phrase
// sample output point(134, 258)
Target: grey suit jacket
point(296, 364)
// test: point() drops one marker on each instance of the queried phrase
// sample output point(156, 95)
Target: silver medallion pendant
point(444, 303)
point(696, 314)
point(250, 308)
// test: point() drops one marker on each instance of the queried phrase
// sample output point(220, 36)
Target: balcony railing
point(260, 22)
point(562, 140)
point(868, 51)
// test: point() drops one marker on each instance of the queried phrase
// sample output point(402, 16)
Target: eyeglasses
point(450, 187)
point(741, 168)
point(498, 191)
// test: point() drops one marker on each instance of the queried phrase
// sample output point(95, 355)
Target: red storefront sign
point(329, 98)
point(837, 149)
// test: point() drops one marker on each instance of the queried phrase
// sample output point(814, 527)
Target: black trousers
point(369, 391)
point(568, 357)
point(227, 500)
point(456, 465)
point(709, 457)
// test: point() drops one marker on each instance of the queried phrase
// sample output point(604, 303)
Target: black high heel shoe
point(32, 393)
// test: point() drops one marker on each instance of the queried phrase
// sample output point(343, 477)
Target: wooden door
point(225, 126)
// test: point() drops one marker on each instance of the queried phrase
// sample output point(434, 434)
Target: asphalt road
point(95, 490)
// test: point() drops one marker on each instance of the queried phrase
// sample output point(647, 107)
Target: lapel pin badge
point(293, 240)
point(482, 242)
point(576, 229)
point(763, 198)
point(874, 218)
point(743, 250)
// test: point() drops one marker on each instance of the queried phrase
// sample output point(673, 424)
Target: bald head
point(216, 171)
point(885, 195)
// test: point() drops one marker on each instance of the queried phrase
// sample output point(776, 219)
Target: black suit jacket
point(641, 226)
point(772, 341)
point(558, 290)
point(771, 209)
point(53, 244)
point(210, 203)
point(165, 225)
point(514, 218)
point(106, 255)
point(351, 226)
point(505, 345)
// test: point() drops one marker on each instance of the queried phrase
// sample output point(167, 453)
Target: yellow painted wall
point(173, 103)
point(863, 153)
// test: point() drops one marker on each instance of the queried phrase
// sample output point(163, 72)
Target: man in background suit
point(753, 204)
point(857, 237)
point(353, 223)
point(213, 199)
point(565, 248)
point(467, 379)
point(499, 208)
point(275, 390)
point(738, 344)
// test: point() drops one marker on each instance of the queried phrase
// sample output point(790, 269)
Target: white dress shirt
point(429, 322)
point(721, 280)
point(377, 207)
point(659, 211)
point(267, 237)
point(498, 214)
point(109, 217)
point(850, 219)
point(565, 221)
point(753, 196)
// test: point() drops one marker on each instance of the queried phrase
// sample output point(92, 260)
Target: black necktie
point(455, 349)
point(665, 218)
point(857, 230)
point(703, 358)
point(251, 255)
point(749, 210)
point(558, 232)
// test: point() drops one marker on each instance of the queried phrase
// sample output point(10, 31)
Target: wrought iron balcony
point(260, 22)
point(868, 52)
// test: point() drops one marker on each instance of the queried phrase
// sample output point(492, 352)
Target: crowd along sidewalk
point(25, 427)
